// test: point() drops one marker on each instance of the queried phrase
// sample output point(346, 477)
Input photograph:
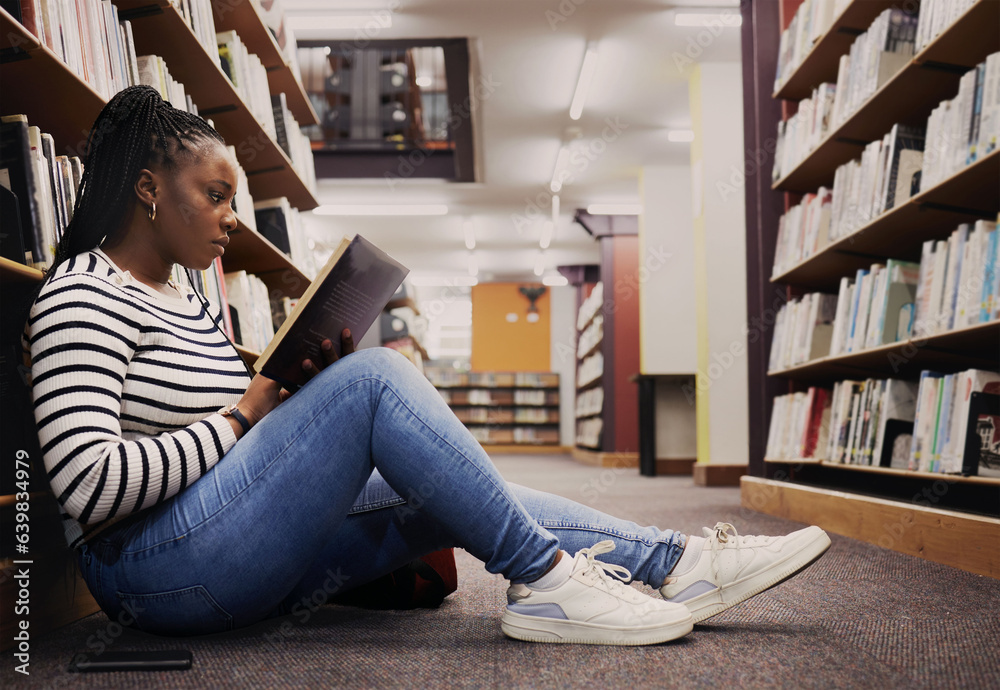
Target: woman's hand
point(262, 396)
point(312, 368)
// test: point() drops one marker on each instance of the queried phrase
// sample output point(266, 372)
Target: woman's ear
point(145, 187)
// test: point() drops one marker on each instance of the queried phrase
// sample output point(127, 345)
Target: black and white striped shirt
point(126, 384)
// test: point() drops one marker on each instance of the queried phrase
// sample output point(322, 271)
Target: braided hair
point(135, 130)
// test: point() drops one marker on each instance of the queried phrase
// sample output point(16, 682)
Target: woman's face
point(194, 212)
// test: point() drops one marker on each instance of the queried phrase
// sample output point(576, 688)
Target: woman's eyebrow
point(224, 183)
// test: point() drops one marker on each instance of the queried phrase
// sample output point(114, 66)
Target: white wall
point(563, 354)
point(725, 260)
point(676, 435)
point(667, 326)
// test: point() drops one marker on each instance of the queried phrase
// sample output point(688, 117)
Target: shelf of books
point(53, 92)
point(503, 408)
point(589, 407)
point(881, 82)
point(884, 360)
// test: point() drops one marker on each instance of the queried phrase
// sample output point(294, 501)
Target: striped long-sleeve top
point(126, 384)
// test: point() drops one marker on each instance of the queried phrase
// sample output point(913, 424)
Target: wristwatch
point(234, 412)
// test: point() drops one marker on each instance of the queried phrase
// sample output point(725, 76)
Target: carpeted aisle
point(862, 617)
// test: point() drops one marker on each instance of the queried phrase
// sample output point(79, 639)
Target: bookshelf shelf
point(471, 395)
point(587, 385)
point(249, 356)
point(963, 348)
point(160, 29)
point(966, 196)
point(13, 272)
point(890, 471)
point(820, 64)
point(250, 251)
point(244, 18)
point(905, 99)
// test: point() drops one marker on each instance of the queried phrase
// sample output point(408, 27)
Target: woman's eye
point(216, 197)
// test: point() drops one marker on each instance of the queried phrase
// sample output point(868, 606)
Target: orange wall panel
point(500, 345)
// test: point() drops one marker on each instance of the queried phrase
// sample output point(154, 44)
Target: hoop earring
point(152, 211)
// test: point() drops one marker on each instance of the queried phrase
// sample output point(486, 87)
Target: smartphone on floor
point(125, 660)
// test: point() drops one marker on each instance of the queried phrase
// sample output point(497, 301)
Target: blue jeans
point(296, 511)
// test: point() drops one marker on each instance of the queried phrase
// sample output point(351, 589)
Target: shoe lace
point(613, 576)
point(724, 535)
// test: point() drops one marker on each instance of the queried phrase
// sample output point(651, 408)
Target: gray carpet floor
point(861, 617)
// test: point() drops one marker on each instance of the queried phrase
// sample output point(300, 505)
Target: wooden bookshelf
point(494, 420)
point(245, 20)
point(858, 501)
point(13, 272)
point(820, 63)
point(907, 98)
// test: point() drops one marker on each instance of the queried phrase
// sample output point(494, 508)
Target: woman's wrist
point(241, 425)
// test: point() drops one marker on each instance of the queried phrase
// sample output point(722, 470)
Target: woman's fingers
point(329, 354)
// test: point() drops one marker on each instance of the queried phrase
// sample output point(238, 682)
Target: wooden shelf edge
point(960, 540)
point(11, 271)
point(918, 342)
point(910, 474)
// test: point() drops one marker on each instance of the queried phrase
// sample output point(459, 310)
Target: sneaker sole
point(717, 601)
point(553, 630)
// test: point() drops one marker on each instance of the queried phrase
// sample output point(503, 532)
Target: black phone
point(125, 660)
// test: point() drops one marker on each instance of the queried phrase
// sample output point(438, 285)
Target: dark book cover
point(15, 167)
point(279, 108)
point(350, 292)
point(272, 224)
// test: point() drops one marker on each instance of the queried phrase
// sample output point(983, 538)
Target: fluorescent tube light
point(680, 135)
point(555, 281)
point(340, 22)
point(470, 235)
point(562, 161)
point(614, 209)
point(381, 210)
point(540, 264)
point(555, 210)
point(732, 19)
point(546, 238)
point(583, 84)
point(443, 281)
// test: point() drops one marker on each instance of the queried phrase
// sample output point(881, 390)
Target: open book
point(350, 292)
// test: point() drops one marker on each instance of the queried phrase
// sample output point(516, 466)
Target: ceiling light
point(559, 172)
point(703, 19)
point(470, 234)
point(424, 82)
point(443, 281)
point(555, 281)
point(340, 22)
point(381, 210)
point(546, 238)
point(540, 264)
point(614, 209)
point(555, 209)
point(680, 135)
point(583, 84)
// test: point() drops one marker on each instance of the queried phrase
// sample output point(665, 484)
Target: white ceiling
point(530, 52)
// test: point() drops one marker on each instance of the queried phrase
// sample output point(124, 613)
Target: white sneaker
point(734, 568)
point(593, 608)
